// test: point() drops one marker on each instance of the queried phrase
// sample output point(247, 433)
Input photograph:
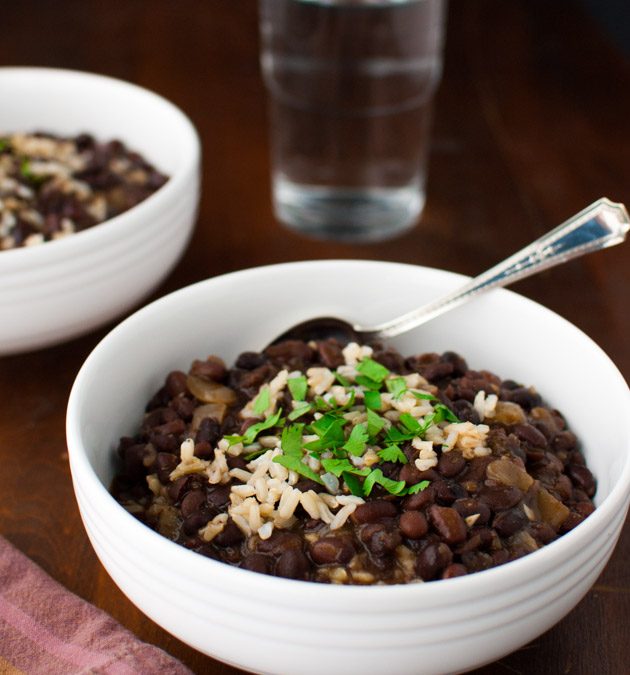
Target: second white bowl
point(64, 288)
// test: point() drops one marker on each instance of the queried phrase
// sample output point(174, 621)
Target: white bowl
point(64, 288)
point(274, 625)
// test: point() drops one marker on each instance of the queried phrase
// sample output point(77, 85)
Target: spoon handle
point(602, 224)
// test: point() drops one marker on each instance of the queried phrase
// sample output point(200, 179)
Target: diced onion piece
point(210, 392)
point(509, 473)
point(216, 410)
point(552, 511)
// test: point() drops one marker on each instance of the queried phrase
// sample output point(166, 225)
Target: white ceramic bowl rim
point(92, 236)
point(502, 576)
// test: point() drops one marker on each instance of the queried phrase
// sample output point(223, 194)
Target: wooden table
point(531, 124)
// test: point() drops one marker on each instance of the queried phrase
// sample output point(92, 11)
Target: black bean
point(413, 524)
point(212, 369)
point(254, 378)
point(183, 406)
point(219, 496)
point(436, 371)
point(460, 367)
point(373, 511)
point(509, 522)
point(157, 417)
point(564, 441)
point(195, 522)
point(470, 507)
point(291, 353)
point(133, 461)
point(192, 502)
point(542, 532)
point(250, 360)
point(500, 497)
point(389, 358)
point(230, 535)
point(330, 353)
point(209, 430)
point(237, 462)
point(410, 474)
point(185, 484)
point(447, 491)
point(329, 550)
point(256, 562)
point(292, 564)
point(165, 463)
point(380, 539)
point(176, 426)
point(279, 541)
point(432, 560)
point(165, 442)
point(571, 521)
point(465, 411)
point(531, 435)
point(582, 478)
point(563, 488)
point(448, 523)
point(306, 484)
point(175, 383)
point(419, 500)
point(451, 463)
point(476, 468)
point(204, 450)
point(526, 398)
point(454, 570)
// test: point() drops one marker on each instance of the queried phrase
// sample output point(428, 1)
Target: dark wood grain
point(531, 124)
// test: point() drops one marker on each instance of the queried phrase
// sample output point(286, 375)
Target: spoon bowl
point(600, 225)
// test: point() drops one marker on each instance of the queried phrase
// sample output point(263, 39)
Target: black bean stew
point(51, 186)
point(353, 465)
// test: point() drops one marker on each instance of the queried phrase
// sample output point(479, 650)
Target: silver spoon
point(602, 224)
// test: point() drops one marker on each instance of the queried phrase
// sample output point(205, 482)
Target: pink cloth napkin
point(46, 629)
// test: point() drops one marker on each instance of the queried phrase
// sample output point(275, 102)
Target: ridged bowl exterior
point(272, 625)
point(62, 289)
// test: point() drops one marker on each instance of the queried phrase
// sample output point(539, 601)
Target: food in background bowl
point(52, 186)
point(353, 465)
point(65, 288)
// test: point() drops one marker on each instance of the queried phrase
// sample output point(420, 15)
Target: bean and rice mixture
point(353, 465)
point(51, 187)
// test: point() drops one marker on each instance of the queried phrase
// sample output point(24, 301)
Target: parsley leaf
point(423, 396)
point(357, 440)
point(395, 435)
point(329, 428)
point(296, 464)
point(372, 400)
point(444, 413)
point(410, 423)
point(372, 369)
point(262, 401)
point(291, 442)
point(339, 466)
point(250, 434)
point(256, 453)
point(298, 387)
point(375, 423)
point(343, 381)
point(418, 487)
point(396, 386)
point(392, 453)
point(368, 382)
point(394, 487)
point(353, 483)
point(299, 411)
point(4, 144)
